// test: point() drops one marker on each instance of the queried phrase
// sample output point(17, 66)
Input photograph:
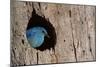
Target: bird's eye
point(43, 32)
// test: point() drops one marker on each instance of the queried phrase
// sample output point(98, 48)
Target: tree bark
point(74, 26)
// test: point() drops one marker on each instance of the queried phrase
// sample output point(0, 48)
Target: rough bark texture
point(74, 26)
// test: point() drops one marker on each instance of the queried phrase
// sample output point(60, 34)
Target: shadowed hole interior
point(37, 20)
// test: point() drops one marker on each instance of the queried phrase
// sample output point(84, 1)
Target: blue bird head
point(35, 36)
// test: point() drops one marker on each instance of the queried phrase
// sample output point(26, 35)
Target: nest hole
point(37, 20)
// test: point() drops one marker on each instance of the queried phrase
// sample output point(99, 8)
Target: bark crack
point(74, 43)
point(55, 55)
point(90, 46)
point(37, 56)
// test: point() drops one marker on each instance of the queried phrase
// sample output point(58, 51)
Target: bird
point(36, 35)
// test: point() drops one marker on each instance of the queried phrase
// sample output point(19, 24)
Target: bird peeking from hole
point(36, 35)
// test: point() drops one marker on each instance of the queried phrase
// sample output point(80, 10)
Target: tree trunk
point(75, 31)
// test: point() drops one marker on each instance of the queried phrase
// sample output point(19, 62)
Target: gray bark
point(74, 26)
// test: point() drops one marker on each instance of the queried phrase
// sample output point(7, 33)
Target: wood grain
point(74, 26)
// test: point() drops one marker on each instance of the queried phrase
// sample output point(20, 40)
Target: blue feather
point(35, 36)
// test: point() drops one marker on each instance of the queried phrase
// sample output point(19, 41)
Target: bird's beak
point(47, 36)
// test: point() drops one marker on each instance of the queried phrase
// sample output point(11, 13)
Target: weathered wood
point(74, 26)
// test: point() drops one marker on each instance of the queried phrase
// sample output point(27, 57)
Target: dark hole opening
point(64, 40)
point(37, 20)
point(22, 41)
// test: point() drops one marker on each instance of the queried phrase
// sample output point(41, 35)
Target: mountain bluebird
point(35, 36)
